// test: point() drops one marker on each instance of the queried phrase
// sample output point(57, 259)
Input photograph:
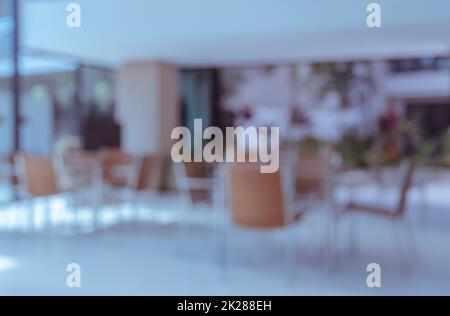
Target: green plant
point(424, 154)
point(355, 150)
point(311, 146)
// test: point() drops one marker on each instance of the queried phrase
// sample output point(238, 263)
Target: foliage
point(424, 154)
point(339, 77)
point(311, 146)
point(391, 144)
point(355, 150)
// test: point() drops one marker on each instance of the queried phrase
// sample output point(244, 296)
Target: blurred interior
point(86, 175)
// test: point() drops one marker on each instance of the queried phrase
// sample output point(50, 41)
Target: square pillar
point(147, 106)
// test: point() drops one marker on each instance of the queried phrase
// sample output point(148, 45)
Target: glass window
point(47, 106)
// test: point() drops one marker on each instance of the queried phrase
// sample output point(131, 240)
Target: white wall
point(423, 84)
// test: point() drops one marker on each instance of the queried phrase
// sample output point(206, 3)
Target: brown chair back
point(39, 176)
point(312, 173)
point(196, 170)
point(256, 199)
point(147, 173)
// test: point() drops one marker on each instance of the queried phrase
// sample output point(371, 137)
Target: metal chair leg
point(353, 235)
point(333, 243)
point(224, 256)
point(411, 240)
point(403, 261)
point(290, 257)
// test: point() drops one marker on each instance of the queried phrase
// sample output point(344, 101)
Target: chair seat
point(372, 209)
point(118, 181)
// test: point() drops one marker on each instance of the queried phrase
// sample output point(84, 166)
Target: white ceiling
point(231, 32)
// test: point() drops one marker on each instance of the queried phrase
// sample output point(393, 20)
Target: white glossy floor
point(155, 257)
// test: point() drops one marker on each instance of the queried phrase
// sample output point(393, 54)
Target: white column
point(147, 106)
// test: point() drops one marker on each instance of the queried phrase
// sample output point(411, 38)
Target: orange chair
point(312, 176)
point(396, 214)
point(399, 209)
point(148, 175)
point(39, 176)
point(260, 202)
point(39, 179)
point(143, 185)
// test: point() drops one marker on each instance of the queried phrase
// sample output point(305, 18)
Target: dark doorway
point(433, 117)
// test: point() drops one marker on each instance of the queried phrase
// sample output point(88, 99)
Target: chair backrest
point(184, 173)
point(113, 158)
point(39, 176)
point(311, 173)
point(407, 170)
point(116, 156)
point(256, 199)
point(147, 173)
point(194, 169)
